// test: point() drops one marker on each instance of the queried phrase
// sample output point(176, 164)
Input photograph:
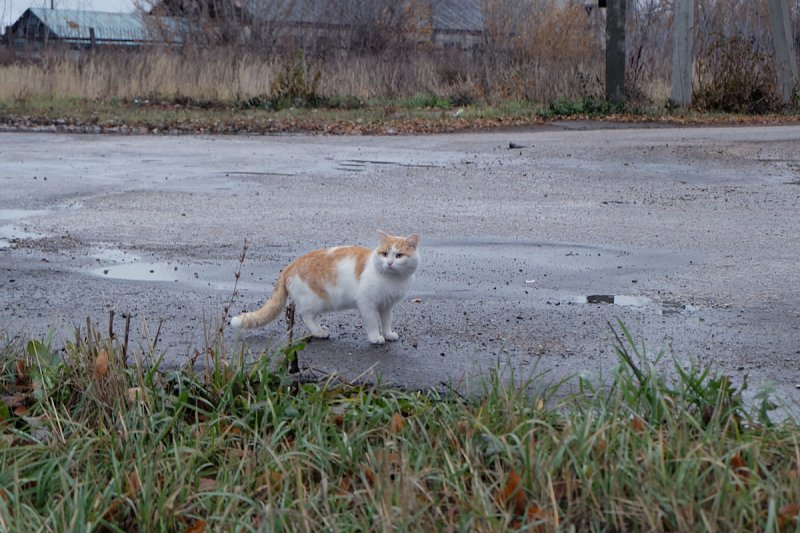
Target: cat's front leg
point(386, 324)
point(372, 323)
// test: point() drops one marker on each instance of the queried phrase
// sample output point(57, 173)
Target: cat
point(344, 277)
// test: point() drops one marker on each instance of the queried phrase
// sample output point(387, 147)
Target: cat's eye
point(399, 255)
point(382, 254)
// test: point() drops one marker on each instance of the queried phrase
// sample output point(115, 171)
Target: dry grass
point(214, 75)
point(227, 75)
point(551, 52)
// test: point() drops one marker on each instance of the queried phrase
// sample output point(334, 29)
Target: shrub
point(733, 77)
point(296, 84)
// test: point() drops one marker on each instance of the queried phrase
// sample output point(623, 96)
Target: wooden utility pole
point(615, 50)
point(785, 58)
point(682, 45)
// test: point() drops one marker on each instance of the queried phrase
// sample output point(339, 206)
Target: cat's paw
point(390, 336)
point(321, 334)
point(377, 339)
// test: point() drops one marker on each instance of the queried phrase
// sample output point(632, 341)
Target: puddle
point(667, 307)
point(11, 234)
point(121, 265)
point(114, 255)
point(18, 214)
point(142, 271)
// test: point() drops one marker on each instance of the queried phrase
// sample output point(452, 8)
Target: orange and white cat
point(344, 277)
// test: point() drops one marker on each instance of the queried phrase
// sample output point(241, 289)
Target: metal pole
point(682, 45)
point(615, 51)
point(785, 57)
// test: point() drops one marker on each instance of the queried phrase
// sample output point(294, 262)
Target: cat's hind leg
point(311, 322)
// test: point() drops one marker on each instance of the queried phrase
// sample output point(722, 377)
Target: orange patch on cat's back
point(318, 269)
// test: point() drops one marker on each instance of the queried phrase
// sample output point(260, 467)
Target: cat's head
point(397, 255)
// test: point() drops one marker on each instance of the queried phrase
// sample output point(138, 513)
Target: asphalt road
point(692, 231)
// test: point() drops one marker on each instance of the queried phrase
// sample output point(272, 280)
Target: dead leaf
point(23, 379)
point(637, 424)
point(345, 485)
point(135, 395)
point(20, 410)
point(101, 364)
point(227, 429)
point(370, 475)
point(513, 496)
point(274, 479)
point(198, 526)
point(207, 484)
point(114, 509)
point(134, 484)
point(534, 513)
point(739, 466)
point(787, 513)
point(565, 488)
point(397, 423)
point(22, 369)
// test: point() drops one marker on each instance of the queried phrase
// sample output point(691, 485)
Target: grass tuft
point(88, 442)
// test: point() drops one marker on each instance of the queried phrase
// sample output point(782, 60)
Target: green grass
point(90, 444)
point(342, 115)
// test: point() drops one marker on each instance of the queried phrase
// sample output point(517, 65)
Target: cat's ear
point(413, 240)
point(383, 235)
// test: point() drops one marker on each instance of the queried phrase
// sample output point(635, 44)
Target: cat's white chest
point(383, 291)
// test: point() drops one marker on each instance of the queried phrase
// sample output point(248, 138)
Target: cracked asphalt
point(687, 235)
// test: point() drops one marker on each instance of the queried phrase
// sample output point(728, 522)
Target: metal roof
point(74, 25)
point(445, 15)
point(457, 15)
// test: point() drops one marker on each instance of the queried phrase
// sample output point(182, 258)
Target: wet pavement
point(688, 235)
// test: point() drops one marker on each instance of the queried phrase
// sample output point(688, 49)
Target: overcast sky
point(10, 10)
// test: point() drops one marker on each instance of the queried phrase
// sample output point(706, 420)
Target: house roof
point(74, 25)
point(457, 15)
point(445, 15)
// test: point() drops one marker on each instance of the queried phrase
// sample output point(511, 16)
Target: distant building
point(78, 28)
point(312, 24)
point(321, 24)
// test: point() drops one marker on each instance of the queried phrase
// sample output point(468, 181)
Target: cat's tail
point(269, 311)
